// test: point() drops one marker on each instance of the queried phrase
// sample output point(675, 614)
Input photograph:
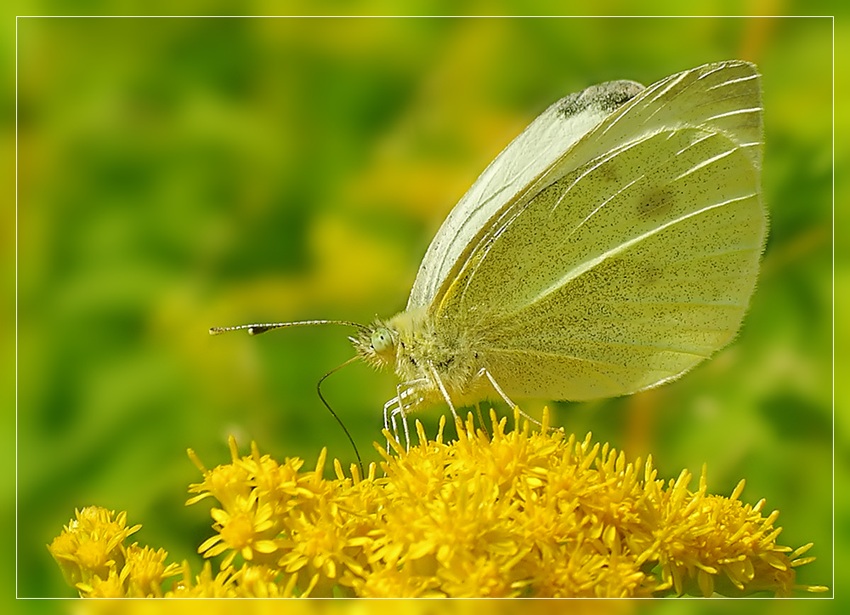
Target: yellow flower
point(204, 585)
point(241, 529)
point(92, 554)
point(517, 513)
point(145, 570)
point(91, 545)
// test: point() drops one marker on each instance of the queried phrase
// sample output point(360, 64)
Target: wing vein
point(590, 264)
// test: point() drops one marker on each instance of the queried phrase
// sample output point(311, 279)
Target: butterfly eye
point(382, 340)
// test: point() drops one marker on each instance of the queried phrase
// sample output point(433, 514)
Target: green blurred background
point(176, 174)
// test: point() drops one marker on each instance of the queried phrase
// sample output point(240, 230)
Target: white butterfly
point(610, 248)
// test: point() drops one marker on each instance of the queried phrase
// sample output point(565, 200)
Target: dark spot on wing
point(604, 98)
point(608, 172)
point(656, 203)
point(649, 274)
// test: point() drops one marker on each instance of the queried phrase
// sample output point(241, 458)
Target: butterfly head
point(376, 344)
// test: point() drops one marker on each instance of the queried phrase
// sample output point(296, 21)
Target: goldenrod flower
point(94, 559)
point(515, 514)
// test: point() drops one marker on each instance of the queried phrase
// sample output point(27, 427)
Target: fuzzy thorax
point(422, 353)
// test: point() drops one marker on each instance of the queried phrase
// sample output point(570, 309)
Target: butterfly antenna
point(335, 415)
point(257, 329)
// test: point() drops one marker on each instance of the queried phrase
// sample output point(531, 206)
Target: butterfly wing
point(525, 159)
point(630, 259)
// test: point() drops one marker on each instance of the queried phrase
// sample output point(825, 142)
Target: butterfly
point(610, 248)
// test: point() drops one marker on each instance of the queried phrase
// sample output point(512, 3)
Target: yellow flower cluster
point(512, 514)
point(94, 559)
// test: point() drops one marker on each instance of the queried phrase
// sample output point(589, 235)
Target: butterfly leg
point(481, 418)
point(390, 409)
point(439, 382)
point(505, 397)
point(406, 398)
point(398, 411)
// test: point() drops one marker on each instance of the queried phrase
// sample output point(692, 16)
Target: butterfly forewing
point(513, 171)
point(637, 261)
